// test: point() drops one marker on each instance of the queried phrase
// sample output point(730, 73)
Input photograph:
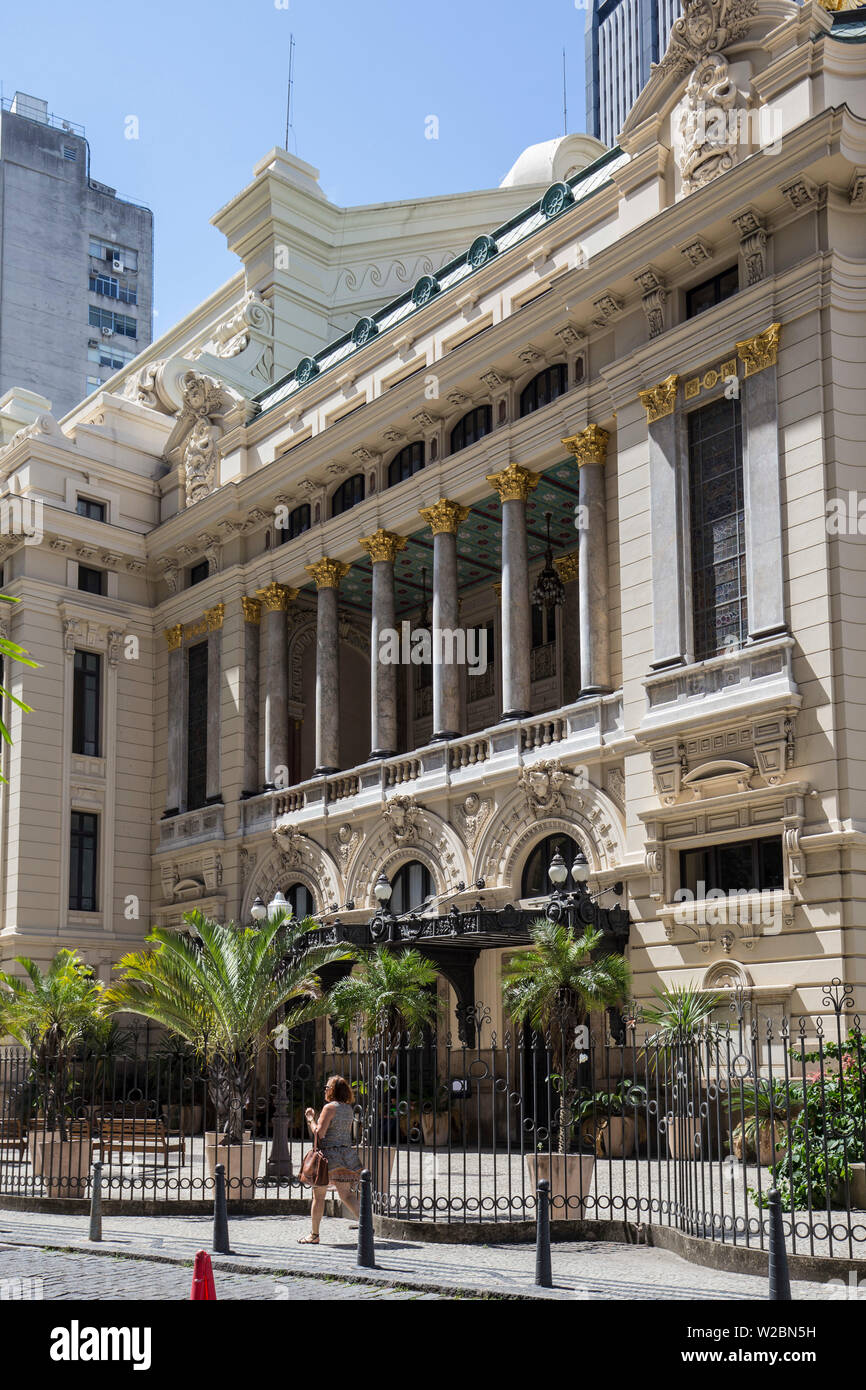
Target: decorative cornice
point(383, 545)
point(444, 517)
point(761, 351)
point(590, 446)
point(275, 598)
point(328, 573)
point(514, 483)
point(174, 636)
point(566, 566)
point(252, 610)
point(660, 400)
point(214, 617)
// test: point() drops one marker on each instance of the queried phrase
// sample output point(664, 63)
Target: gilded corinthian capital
point(252, 610)
point(514, 483)
point(383, 545)
point(590, 446)
point(327, 573)
point(276, 597)
point(174, 636)
point(660, 400)
point(761, 351)
point(214, 617)
point(445, 517)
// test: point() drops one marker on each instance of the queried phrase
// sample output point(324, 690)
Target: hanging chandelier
point(549, 591)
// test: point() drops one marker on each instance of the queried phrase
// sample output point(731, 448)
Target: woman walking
point(332, 1134)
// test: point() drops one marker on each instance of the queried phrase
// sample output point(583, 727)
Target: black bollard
point(780, 1282)
point(366, 1246)
point(96, 1204)
point(543, 1272)
point(220, 1214)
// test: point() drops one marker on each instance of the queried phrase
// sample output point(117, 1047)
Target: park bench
point(133, 1134)
point(13, 1135)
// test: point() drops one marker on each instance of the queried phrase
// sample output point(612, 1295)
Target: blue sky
point(207, 82)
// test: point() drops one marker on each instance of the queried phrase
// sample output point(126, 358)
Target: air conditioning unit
point(108, 332)
point(117, 263)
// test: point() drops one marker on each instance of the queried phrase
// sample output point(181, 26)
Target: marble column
point(327, 575)
point(274, 673)
point(444, 521)
point(514, 485)
point(668, 527)
point(174, 750)
point(590, 450)
point(213, 771)
point(761, 484)
point(383, 547)
point(568, 568)
point(252, 611)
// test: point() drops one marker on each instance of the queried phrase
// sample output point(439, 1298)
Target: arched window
point(300, 899)
point(348, 494)
point(472, 427)
point(411, 884)
point(409, 460)
point(297, 522)
point(544, 388)
point(535, 882)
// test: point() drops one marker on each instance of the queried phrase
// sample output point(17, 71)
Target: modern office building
point(76, 262)
point(663, 354)
point(623, 37)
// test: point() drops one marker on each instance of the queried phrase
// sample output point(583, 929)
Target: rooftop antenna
point(290, 91)
point(564, 98)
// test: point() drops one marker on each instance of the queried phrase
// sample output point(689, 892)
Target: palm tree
point(556, 982)
point(220, 990)
point(683, 1011)
point(48, 1013)
point(390, 994)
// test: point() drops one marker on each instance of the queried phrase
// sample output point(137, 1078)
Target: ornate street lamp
point(381, 924)
point(278, 903)
point(258, 911)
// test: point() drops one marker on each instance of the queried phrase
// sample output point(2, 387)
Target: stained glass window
point(196, 727)
point(718, 529)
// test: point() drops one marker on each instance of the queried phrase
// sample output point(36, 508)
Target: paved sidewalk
point(588, 1270)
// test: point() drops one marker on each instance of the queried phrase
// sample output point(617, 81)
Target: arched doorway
point(410, 886)
point(535, 882)
point(300, 899)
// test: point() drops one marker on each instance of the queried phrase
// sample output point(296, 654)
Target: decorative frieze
point(660, 400)
point(761, 351)
point(709, 380)
point(444, 517)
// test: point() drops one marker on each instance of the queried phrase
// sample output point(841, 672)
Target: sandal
point(308, 1240)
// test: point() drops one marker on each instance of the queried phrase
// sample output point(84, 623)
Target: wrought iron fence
point(690, 1132)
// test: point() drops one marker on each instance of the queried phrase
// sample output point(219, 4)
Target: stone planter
point(242, 1163)
point(767, 1153)
point(684, 1137)
point(435, 1129)
point(619, 1136)
point(63, 1165)
point(857, 1183)
point(570, 1178)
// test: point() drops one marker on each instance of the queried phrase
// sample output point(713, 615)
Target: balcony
point(191, 827)
point(575, 732)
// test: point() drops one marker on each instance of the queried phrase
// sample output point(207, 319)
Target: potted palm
point(220, 988)
point(766, 1107)
point(552, 987)
point(680, 1019)
point(50, 1013)
point(615, 1118)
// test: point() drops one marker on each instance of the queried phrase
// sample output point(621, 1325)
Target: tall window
point(749, 866)
point(348, 494)
point(91, 581)
point(196, 727)
point(408, 462)
point(718, 528)
point(472, 427)
point(536, 880)
point(82, 861)
point(411, 884)
point(544, 388)
point(94, 511)
point(297, 522)
point(712, 291)
point(300, 899)
point(86, 700)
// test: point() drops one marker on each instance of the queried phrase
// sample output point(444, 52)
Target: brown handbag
point(314, 1169)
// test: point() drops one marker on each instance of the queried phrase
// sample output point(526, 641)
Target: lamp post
point(384, 917)
point(279, 1164)
point(563, 905)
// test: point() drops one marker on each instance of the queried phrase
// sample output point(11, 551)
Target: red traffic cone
point(202, 1278)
